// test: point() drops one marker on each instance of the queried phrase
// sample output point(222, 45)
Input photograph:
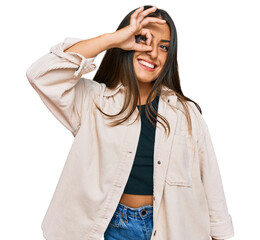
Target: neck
point(144, 90)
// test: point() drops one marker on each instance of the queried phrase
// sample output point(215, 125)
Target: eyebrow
point(162, 40)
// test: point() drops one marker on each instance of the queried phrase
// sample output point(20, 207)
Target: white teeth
point(146, 64)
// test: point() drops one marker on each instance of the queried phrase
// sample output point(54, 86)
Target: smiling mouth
point(146, 65)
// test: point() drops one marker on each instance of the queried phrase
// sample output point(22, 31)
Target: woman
point(142, 165)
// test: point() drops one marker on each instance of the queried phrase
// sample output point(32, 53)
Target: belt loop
point(124, 214)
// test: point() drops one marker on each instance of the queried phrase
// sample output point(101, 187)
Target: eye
point(165, 47)
point(143, 38)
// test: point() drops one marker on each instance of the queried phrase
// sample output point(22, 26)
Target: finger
point(147, 11)
point(134, 15)
point(152, 20)
point(147, 34)
point(140, 16)
point(142, 47)
point(137, 11)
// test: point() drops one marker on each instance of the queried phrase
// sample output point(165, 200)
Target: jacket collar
point(110, 92)
point(168, 95)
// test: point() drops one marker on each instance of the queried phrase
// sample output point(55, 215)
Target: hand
point(125, 37)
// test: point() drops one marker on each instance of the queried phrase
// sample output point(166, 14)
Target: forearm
point(57, 79)
point(92, 47)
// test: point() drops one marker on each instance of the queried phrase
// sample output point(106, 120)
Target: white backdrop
point(218, 55)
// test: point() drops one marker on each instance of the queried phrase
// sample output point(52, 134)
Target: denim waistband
point(141, 212)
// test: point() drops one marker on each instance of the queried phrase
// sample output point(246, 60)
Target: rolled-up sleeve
point(56, 77)
point(221, 226)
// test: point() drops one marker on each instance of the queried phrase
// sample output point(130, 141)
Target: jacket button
point(168, 100)
point(159, 162)
point(154, 232)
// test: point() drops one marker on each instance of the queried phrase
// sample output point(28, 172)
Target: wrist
point(110, 41)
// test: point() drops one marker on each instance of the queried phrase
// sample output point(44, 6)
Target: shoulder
point(198, 121)
point(93, 87)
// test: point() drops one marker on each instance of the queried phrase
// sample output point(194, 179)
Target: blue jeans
point(130, 223)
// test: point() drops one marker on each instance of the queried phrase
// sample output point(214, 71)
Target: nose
point(154, 52)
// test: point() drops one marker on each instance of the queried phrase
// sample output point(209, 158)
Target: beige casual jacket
point(188, 196)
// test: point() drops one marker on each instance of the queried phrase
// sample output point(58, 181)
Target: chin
point(144, 79)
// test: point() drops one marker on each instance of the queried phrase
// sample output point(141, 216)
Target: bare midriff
point(136, 201)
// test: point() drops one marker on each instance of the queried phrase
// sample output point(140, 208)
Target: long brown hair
point(117, 67)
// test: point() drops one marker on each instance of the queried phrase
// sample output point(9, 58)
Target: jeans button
point(143, 212)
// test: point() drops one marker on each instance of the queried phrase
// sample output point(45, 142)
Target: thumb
point(139, 47)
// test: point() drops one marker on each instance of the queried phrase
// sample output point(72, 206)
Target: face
point(157, 56)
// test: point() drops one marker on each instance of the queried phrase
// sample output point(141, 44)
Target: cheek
point(163, 61)
point(162, 66)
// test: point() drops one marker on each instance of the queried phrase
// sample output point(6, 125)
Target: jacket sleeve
point(56, 77)
point(221, 226)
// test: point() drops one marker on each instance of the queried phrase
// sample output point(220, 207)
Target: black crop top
point(140, 180)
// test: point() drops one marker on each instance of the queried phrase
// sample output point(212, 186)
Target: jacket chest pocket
point(180, 162)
